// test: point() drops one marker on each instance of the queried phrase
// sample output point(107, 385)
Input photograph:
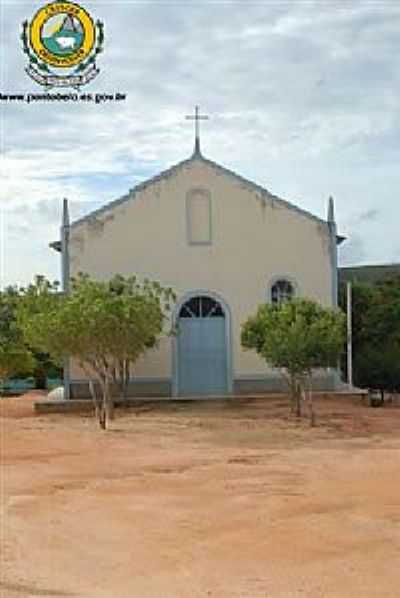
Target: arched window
point(282, 290)
point(201, 307)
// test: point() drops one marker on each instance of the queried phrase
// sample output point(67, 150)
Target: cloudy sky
point(303, 98)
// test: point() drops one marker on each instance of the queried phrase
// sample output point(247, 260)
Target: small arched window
point(201, 307)
point(281, 291)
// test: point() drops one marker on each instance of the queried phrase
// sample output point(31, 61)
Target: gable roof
point(132, 192)
point(165, 174)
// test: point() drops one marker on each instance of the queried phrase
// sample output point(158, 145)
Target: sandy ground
point(200, 500)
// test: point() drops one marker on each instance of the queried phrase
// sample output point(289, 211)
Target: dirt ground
point(206, 499)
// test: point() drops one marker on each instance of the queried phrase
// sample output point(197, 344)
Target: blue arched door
point(202, 348)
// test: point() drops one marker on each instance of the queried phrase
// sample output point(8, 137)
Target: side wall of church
point(254, 239)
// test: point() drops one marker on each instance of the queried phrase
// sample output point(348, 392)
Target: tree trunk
point(96, 401)
point(298, 399)
point(103, 416)
point(100, 402)
point(126, 379)
point(310, 403)
point(292, 386)
point(102, 411)
point(108, 401)
point(121, 377)
point(295, 396)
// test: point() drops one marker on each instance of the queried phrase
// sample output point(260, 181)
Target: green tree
point(15, 357)
point(42, 366)
point(104, 326)
point(296, 337)
point(376, 334)
point(362, 294)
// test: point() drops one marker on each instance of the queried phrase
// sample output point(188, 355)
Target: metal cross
point(197, 118)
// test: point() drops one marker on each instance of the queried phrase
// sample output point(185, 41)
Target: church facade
point(225, 245)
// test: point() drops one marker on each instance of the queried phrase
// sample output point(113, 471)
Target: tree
point(104, 326)
point(376, 334)
point(362, 293)
point(15, 357)
point(40, 364)
point(296, 337)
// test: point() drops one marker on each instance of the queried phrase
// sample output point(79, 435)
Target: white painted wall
point(255, 238)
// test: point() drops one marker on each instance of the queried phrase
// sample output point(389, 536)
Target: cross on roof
point(197, 117)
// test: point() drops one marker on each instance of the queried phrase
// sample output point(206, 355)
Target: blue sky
point(302, 98)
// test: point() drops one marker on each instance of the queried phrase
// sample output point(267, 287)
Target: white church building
point(225, 245)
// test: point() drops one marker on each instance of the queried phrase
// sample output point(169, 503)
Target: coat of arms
point(62, 43)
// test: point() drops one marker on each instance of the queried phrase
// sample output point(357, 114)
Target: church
point(224, 245)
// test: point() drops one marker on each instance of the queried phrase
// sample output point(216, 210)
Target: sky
point(302, 98)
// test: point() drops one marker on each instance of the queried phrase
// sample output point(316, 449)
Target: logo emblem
point(62, 43)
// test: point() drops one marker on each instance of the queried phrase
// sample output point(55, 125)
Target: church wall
point(254, 238)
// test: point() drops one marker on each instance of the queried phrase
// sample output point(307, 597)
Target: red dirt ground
point(223, 500)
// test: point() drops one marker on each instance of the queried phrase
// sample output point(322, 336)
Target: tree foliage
point(376, 334)
point(15, 357)
point(104, 326)
point(296, 337)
